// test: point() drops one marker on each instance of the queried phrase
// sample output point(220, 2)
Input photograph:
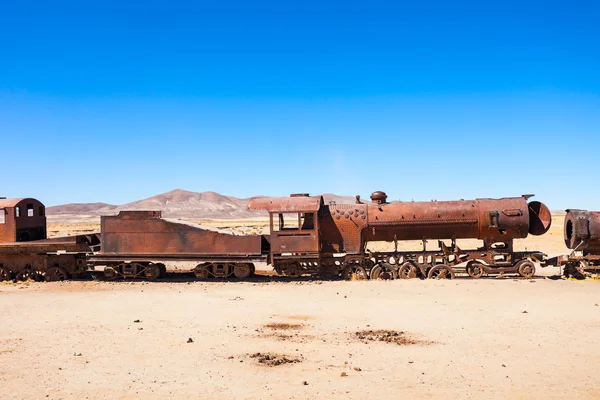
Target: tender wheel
point(163, 270)
point(55, 274)
point(152, 272)
point(441, 272)
point(110, 273)
point(201, 272)
point(407, 271)
point(475, 270)
point(526, 269)
point(242, 271)
point(354, 272)
point(30, 274)
point(4, 274)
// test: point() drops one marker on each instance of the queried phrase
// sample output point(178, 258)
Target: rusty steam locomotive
point(307, 236)
point(582, 236)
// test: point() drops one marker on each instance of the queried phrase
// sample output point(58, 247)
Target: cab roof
point(11, 203)
point(286, 204)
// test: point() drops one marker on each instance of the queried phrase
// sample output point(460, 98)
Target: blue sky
point(104, 101)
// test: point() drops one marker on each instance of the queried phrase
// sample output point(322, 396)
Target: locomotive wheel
point(4, 274)
point(379, 272)
point(573, 270)
point(55, 274)
point(407, 271)
point(376, 272)
point(526, 269)
point(242, 271)
point(475, 270)
point(441, 271)
point(354, 272)
point(152, 272)
point(201, 272)
point(29, 274)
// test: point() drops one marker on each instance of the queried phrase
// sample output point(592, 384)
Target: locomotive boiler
point(309, 236)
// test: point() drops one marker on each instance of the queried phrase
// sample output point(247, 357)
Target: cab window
point(285, 222)
point(2, 216)
point(293, 221)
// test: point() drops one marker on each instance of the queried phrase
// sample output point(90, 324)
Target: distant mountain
point(179, 204)
point(183, 204)
point(81, 209)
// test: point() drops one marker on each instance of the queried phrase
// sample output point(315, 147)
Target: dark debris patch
point(284, 326)
point(274, 360)
point(382, 335)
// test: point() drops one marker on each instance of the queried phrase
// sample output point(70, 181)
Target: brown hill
point(178, 204)
point(184, 204)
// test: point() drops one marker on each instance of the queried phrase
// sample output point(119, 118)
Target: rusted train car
point(582, 236)
point(139, 243)
point(309, 236)
point(27, 253)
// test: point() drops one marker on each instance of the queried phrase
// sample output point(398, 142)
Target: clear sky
point(115, 101)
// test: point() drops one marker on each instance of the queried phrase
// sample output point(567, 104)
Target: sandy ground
point(485, 339)
point(479, 339)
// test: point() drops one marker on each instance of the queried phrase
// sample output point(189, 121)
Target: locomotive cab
point(294, 232)
point(294, 226)
point(22, 220)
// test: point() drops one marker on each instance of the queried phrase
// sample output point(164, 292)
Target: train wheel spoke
point(441, 272)
point(526, 268)
point(355, 273)
point(475, 270)
point(55, 274)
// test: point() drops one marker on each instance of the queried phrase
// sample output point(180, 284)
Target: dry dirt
point(478, 339)
point(460, 339)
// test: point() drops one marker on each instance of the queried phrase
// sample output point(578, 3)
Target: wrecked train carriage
point(582, 236)
point(139, 243)
point(27, 253)
point(309, 236)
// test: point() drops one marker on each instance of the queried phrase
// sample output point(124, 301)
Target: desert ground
point(273, 338)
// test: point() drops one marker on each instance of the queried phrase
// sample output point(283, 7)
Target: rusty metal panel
point(286, 204)
point(301, 242)
point(342, 227)
point(147, 234)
